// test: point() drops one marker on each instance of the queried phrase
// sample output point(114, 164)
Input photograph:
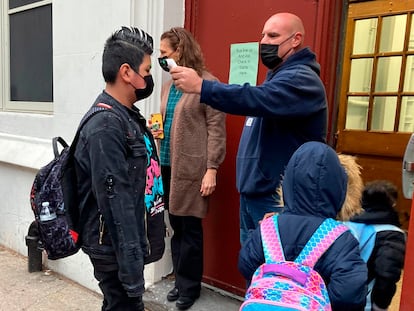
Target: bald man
point(284, 112)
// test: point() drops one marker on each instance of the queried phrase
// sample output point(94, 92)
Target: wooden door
point(216, 25)
point(376, 108)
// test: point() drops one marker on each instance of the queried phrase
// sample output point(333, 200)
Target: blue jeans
point(252, 210)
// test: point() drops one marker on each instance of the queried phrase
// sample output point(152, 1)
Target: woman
point(191, 151)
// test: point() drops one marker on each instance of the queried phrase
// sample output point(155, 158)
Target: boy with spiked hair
point(112, 170)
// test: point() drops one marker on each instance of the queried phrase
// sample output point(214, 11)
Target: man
point(114, 156)
point(284, 112)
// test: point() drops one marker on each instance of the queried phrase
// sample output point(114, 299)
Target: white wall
point(25, 138)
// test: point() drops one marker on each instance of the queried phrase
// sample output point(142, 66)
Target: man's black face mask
point(269, 54)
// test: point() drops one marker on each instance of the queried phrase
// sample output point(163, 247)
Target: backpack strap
point(320, 241)
point(91, 112)
point(366, 235)
point(55, 141)
point(272, 246)
point(387, 227)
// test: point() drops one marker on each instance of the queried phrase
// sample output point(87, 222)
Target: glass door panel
point(388, 74)
point(409, 75)
point(357, 113)
point(407, 114)
point(365, 36)
point(411, 40)
point(392, 33)
point(381, 74)
point(361, 74)
point(383, 114)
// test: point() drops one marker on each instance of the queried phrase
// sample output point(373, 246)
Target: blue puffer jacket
point(314, 188)
point(287, 110)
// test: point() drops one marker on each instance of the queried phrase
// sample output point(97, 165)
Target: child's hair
point(352, 203)
point(379, 195)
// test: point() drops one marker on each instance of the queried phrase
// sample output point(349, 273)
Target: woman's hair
point(189, 50)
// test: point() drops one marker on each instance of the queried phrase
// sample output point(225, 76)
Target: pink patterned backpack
point(291, 285)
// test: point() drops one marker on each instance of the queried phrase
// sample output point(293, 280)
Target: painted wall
point(240, 21)
point(25, 138)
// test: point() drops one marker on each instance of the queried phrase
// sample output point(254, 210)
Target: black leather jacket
point(111, 161)
point(387, 258)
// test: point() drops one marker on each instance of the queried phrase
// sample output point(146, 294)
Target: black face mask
point(269, 54)
point(147, 91)
point(163, 63)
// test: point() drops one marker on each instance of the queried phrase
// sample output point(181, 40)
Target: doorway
point(376, 104)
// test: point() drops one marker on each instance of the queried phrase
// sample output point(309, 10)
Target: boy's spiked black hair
point(127, 45)
point(135, 36)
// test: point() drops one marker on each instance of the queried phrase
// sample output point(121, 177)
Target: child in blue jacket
point(382, 242)
point(314, 188)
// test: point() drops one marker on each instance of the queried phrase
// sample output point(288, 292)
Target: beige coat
point(198, 142)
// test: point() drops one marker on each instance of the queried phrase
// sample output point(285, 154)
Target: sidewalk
point(46, 290)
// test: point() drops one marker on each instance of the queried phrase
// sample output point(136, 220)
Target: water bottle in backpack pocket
point(55, 233)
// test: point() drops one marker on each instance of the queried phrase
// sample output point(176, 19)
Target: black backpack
point(53, 198)
point(54, 202)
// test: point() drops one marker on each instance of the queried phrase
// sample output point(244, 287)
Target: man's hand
point(186, 79)
point(208, 184)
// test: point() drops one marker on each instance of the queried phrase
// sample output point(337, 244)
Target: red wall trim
point(190, 16)
point(326, 45)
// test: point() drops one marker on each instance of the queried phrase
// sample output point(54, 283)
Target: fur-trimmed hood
point(352, 204)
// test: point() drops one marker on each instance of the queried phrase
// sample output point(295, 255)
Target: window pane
point(392, 33)
point(365, 35)
point(357, 113)
point(388, 74)
point(409, 75)
point(16, 3)
point(411, 40)
point(31, 55)
point(361, 73)
point(383, 113)
point(407, 114)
